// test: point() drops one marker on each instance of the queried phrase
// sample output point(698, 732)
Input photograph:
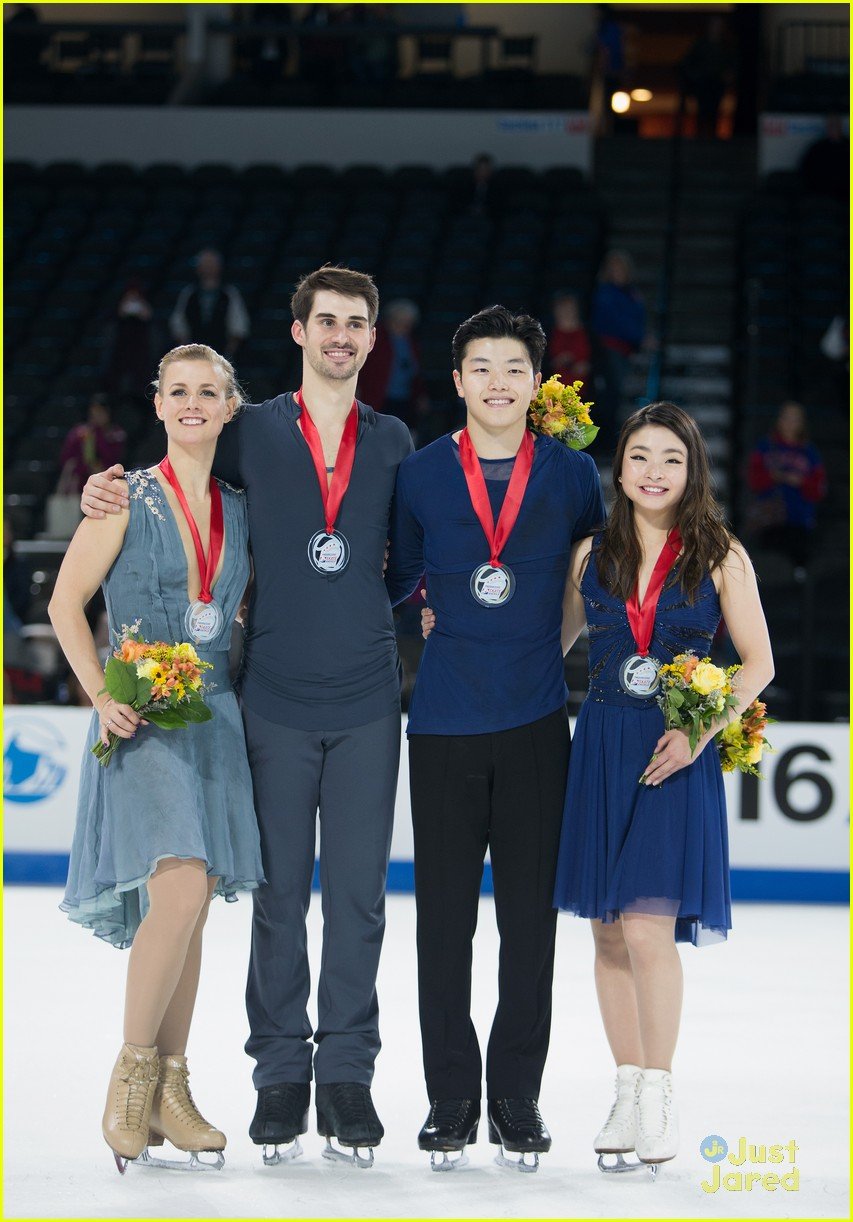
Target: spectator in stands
point(131, 359)
point(825, 165)
point(390, 380)
point(482, 186)
point(788, 481)
point(21, 680)
point(618, 325)
point(835, 346)
point(705, 72)
point(568, 344)
point(210, 312)
point(90, 447)
point(610, 62)
point(16, 579)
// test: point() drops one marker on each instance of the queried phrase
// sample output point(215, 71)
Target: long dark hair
point(705, 536)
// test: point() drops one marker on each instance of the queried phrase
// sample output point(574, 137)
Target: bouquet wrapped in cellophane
point(164, 683)
point(559, 412)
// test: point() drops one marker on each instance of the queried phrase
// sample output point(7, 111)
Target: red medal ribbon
point(642, 619)
point(496, 535)
point(332, 492)
point(206, 569)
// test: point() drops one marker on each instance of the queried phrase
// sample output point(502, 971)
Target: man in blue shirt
point(488, 731)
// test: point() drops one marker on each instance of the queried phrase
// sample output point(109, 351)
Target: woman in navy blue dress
point(644, 848)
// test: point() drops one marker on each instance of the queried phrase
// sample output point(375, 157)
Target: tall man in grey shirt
point(321, 701)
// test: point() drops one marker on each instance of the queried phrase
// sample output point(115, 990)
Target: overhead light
point(620, 102)
point(641, 95)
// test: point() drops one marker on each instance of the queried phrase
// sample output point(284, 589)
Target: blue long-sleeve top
point(486, 669)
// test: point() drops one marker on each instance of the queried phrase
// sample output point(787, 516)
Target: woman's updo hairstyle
point(202, 352)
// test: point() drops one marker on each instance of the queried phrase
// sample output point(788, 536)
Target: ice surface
point(763, 1055)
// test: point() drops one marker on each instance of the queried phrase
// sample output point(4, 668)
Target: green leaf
point(166, 719)
point(676, 698)
point(588, 435)
point(143, 692)
point(195, 712)
point(121, 680)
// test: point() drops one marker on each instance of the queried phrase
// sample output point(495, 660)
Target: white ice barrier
point(788, 833)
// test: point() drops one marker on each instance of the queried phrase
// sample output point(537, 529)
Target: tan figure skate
point(175, 1118)
point(129, 1098)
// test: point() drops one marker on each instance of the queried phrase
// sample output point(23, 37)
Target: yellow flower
point(753, 756)
point(147, 668)
point(731, 734)
point(186, 653)
point(720, 704)
point(707, 678)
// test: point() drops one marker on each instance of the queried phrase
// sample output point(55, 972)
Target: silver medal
point(639, 676)
point(492, 587)
point(328, 553)
point(203, 621)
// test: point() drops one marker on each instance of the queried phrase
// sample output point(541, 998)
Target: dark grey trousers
point(350, 776)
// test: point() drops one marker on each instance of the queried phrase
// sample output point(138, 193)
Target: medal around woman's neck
point(639, 675)
point(204, 619)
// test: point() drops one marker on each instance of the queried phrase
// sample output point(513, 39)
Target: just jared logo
point(715, 1149)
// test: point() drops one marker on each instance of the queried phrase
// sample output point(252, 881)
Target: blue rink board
point(771, 886)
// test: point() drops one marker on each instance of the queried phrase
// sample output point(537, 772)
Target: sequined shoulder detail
point(139, 487)
point(224, 484)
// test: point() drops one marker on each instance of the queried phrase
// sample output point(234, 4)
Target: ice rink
point(762, 1055)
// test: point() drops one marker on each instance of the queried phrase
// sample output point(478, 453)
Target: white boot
point(657, 1121)
point(619, 1131)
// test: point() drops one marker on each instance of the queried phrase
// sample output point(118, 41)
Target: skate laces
point(622, 1111)
point(175, 1085)
point(446, 1112)
point(654, 1103)
point(523, 1114)
point(138, 1080)
point(353, 1103)
point(279, 1095)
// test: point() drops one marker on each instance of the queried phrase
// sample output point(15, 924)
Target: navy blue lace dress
point(627, 847)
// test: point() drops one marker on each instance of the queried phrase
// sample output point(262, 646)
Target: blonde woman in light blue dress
point(170, 823)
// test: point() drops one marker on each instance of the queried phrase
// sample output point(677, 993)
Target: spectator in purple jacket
point(92, 446)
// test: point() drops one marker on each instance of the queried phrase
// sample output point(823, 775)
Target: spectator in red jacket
point(788, 480)
point(391, 379)
point(568, 344)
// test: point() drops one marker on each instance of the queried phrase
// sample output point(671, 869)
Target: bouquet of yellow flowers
point(742, 742)
point(693, 693)
point(162, 682)
point(559, 412)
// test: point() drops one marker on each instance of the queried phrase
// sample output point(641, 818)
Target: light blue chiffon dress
point(166, 793)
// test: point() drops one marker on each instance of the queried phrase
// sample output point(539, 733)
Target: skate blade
point(520, 1163)
point(282, 1156)
point(333, 1154)
point(620, 1166)
point(447, 1163)
point(121, 1163)
point(193, 1163)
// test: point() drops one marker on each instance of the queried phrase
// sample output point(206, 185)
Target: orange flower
point(132, 651)
point(690, 665)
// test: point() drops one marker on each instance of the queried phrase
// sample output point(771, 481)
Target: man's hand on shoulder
point(105, 492)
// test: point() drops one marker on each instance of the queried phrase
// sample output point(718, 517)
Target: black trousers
point(504, 791)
